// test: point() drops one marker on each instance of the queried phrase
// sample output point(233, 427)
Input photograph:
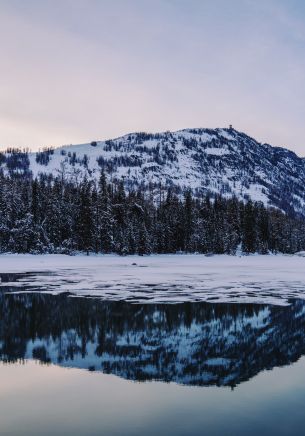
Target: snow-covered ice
point(162, 278)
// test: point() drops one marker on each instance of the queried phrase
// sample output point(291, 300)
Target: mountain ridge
point(207, 161)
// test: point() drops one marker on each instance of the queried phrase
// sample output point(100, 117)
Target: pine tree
point(85, 221)
point(249, 236)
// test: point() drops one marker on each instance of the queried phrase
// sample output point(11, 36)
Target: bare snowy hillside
point(221, 161)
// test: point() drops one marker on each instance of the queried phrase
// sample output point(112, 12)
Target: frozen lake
point(169, 345)
point(161, 278)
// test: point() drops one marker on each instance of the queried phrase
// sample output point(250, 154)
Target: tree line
point(52, 214)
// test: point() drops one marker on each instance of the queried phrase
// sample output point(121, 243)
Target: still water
point(81, 366)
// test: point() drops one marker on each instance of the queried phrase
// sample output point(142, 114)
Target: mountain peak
point(207, 161)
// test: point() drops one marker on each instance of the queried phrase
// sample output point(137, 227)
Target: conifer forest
point(50, 214)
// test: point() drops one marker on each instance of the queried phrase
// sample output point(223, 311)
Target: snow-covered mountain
point(222, 161)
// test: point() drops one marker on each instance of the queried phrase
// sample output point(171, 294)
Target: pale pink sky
point(77, 70)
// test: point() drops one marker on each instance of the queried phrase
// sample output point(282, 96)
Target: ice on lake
point(272, 279)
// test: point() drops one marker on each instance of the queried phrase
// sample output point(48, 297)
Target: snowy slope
point(220, 161)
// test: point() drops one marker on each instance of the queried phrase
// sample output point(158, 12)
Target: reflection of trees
point(191, 343)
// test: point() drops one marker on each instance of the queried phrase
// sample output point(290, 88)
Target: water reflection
point(192, 343)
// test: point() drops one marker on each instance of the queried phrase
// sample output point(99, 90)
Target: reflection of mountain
point(192, 343)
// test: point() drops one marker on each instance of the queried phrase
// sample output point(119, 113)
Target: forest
point(52, 214)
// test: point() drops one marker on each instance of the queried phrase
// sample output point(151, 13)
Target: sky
point(74, 71)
